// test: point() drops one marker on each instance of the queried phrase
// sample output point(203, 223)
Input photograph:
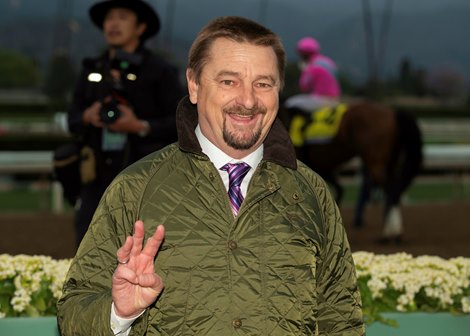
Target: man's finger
point(154, 242)
point(123, 253)
point(138, 238)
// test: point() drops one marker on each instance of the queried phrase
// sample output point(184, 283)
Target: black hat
point(144, 12)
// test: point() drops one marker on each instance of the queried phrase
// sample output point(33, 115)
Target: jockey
point(318, 79)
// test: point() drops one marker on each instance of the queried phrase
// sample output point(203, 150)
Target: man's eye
point(264, 85)
point(227, 82)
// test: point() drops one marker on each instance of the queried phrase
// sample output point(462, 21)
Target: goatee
point(235, 139)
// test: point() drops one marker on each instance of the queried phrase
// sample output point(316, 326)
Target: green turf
point(422, 192)
point(26, 200)
point(22, 199)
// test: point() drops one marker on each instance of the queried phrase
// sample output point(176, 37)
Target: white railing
point(37, 163)
point(452, 158)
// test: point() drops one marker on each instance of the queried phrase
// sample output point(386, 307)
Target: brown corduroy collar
point(278, 147)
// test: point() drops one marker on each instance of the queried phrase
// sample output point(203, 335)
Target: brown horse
point(389, 145)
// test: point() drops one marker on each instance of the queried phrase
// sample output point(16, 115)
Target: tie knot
point(236, 172)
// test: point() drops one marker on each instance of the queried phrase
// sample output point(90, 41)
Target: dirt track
point(435, 229)
point(441, 229)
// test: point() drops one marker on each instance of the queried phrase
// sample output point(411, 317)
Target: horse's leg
point(394, 188)
point(363, 198)
point(339, 191)
point(393, 229)
point(393, 220)
point(405, 168)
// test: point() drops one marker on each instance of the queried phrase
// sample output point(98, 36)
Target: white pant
point(308, 102)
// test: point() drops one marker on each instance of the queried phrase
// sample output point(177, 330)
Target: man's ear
point(141, 28)
point(192, 86)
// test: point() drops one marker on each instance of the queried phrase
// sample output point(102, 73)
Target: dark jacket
point(283, 266)
point(154, 96)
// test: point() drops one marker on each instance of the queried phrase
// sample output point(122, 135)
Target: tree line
point(58, 79)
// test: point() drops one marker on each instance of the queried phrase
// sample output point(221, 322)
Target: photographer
point(124, 101)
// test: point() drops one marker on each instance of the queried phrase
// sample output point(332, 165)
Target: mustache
point(237, 109)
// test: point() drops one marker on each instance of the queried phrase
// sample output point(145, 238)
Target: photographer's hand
point(92, 115)
point(127, 122)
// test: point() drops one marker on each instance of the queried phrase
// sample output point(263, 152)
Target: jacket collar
point(278, 147)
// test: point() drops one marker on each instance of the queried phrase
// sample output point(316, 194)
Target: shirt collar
point(219, 158)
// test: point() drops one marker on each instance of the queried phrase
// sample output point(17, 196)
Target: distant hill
point(431, 33)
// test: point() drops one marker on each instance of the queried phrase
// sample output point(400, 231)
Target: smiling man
point(239, 238)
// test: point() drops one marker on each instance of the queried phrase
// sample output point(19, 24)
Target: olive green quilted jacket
point(282, 267)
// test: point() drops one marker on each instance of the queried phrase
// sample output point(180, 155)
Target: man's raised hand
point(135, 283)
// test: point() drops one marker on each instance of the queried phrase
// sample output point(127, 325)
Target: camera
point(113, 76)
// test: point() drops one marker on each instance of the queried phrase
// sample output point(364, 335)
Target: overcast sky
point(339, 6)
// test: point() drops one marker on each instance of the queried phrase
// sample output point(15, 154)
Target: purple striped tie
point(236, 173)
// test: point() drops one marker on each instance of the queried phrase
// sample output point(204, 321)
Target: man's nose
point(247, 96)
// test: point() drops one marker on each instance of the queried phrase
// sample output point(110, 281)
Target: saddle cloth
point(319, 126)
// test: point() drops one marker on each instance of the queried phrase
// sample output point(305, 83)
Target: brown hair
point(238, 29)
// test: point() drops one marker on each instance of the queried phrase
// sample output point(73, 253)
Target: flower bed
point(403, 283)
point(31, 285)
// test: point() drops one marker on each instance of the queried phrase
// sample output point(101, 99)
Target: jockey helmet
point(308, 46)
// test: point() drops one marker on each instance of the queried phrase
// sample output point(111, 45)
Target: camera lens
point(109, 113)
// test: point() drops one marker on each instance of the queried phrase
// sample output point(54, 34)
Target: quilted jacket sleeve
point(85, 306)
point(339, 306)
